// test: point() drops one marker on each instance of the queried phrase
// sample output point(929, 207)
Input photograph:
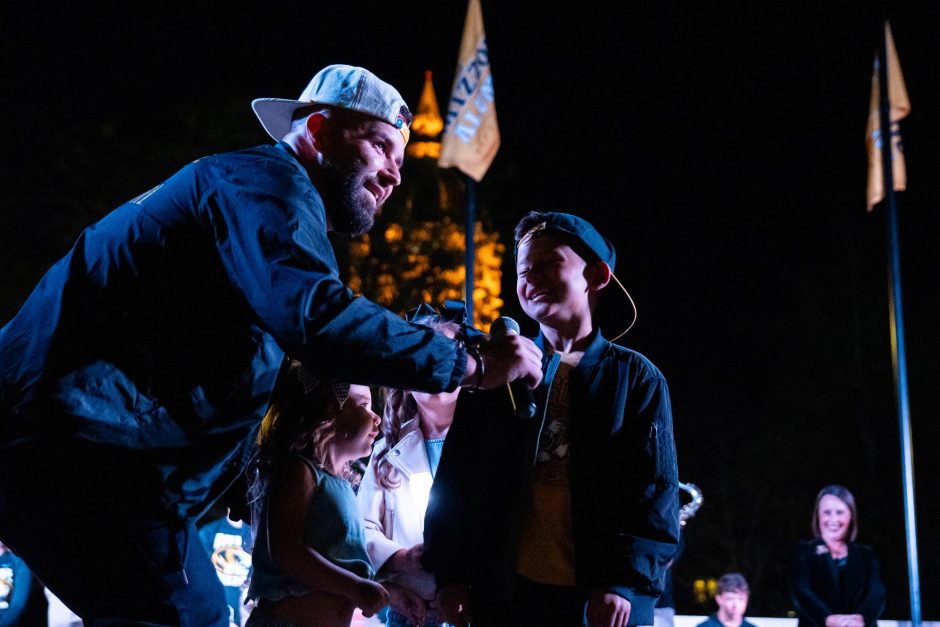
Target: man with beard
point(134, 377)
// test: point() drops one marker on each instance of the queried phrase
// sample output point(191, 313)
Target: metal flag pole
point(896, 322)
point(470, 254)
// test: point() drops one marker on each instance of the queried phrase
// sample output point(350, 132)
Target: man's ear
point(598, 275)
point(317, 124)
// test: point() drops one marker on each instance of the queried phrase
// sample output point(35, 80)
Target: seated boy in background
point(732, 597)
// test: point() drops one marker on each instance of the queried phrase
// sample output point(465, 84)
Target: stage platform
point(693, 621)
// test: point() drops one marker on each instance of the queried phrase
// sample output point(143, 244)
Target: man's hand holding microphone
point(505, 358)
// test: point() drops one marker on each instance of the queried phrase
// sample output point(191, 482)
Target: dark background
point(719, 145)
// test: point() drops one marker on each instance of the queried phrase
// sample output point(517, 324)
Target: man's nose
point(390, 174)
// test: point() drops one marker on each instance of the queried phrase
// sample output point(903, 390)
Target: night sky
point(721, 149)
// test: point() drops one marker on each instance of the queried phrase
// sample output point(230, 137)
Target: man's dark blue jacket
point(161, 332)
point(623, 482)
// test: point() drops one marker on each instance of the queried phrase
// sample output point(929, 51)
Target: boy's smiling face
point(551, 280)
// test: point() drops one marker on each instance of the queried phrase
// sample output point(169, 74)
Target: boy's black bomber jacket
point(623, 473)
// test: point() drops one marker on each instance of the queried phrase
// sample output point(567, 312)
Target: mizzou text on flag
point(900, 106)
point(471, 134)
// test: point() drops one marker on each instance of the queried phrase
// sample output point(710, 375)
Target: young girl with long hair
point(310, 561)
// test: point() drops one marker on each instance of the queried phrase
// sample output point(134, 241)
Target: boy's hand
point(506, 359)
point(454, 603)
point(370, 597)
point(606, 609)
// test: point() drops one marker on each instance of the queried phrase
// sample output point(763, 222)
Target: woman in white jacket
point(393, 495)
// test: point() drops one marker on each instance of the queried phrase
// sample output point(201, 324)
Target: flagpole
point(471, 134)
point(470, 232)
point(896, 323)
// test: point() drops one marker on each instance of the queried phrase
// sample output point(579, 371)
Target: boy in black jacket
point(573, 513)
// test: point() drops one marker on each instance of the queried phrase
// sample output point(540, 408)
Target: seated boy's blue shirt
point(713, 621)
point(162, 331)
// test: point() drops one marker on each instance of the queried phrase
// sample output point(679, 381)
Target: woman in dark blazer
point(836, 582)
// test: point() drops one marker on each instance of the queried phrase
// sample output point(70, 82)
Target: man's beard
point(349, 209)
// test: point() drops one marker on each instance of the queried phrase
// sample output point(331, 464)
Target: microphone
point(521, 397)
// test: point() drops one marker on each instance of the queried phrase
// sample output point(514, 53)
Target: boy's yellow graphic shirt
point(546, 546)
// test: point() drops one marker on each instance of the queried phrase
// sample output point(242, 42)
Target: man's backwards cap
point(342, 86)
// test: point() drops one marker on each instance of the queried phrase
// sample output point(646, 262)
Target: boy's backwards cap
point(578, 228)
point(586, 234)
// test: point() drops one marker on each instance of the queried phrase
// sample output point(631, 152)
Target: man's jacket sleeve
point(276, 254)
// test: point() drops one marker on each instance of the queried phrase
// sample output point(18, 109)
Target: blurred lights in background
point(704, 589)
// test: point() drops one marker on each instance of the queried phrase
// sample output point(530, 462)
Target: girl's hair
point(842, 493)
point(301, 420)
point(400, 407)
